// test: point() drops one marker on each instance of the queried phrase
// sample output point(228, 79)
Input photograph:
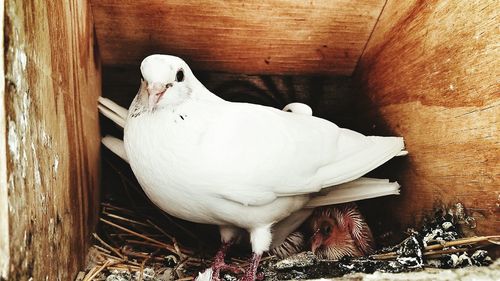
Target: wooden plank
point(4, 211)
point(52, 82)
point(258, 37)
point(431, 72)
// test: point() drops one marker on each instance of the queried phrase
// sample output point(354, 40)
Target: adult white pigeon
point(236, 165)
point(286, 241)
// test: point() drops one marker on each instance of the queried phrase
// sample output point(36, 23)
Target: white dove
point(237, 165)
point(285, 241)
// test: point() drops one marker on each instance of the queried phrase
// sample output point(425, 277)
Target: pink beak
point(155, 92)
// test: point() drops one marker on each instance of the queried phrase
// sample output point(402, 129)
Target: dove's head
point(167, 81)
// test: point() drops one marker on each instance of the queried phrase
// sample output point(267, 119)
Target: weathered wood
point(431, 71)
point(257, 37)
point(4, 211)
point(52, 81)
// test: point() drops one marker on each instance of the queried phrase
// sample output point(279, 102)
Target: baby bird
point(340, 230)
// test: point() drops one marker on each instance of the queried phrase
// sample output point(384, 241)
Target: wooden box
point(425, 70)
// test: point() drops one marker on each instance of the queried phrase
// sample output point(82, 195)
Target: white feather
point(299, 108)
point(116, 146)
point(205, 275)
point(113, 111)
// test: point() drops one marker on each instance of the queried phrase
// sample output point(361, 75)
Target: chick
point(340, 230)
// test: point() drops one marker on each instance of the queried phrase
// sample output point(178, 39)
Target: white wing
point(265, 153)
point(113, 111)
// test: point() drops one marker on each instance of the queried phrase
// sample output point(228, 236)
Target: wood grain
point(52, 81)
point(431, 72)
point(4, 202)
point(253, 37)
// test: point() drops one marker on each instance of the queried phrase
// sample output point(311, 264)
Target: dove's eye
point(179, 77)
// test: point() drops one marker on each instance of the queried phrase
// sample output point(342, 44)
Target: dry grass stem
point(94, 274)
point(166, 246)
point(114, 250)
point(437, 250)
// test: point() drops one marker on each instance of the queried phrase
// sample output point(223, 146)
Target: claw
point(251, 272)
point(220, 265)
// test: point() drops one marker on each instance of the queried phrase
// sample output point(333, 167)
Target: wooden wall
point(52, 81)
point(430, 72)
point(4, 210)
point(252, 37)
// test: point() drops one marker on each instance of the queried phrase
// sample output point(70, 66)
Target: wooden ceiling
point(271, 37)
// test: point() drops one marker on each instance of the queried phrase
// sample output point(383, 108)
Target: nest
point(137, 241)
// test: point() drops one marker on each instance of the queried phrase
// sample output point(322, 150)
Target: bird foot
point(225, 267)
point(251, 272)
point(220, 265)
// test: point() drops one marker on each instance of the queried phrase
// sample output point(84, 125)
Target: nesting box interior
point(424, 70)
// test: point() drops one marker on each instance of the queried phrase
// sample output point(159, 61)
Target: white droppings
point(205, 275)
point(13, 141)
point(46, 138)
point(22, 58)
point(36, 167)
point(25, 107)
point(51, 229)
point(55, 166)
point(446, 225)
point(454, 260)
point(451, 87)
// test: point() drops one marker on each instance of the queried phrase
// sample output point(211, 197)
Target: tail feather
point(360, 189)
point(116, 146)
point(366, 154)
point(113, 111)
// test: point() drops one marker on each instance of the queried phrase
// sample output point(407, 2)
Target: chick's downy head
point(338, 231)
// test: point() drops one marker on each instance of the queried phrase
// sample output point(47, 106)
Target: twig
point(436, 249)
point(143, 243)
point(436, 254)
point(160, 229)
point(113, 207)
point(126, 267)
point(125, 219)
point(97, 271)
point(184, 278)
point(114, 250)
point(180, 227)
point(166, 246)
point(463, 241)
point(101, 249)
point(90, 273)
point(172, 238)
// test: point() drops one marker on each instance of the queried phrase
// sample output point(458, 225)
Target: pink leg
point(219, 263)
point(251, 272)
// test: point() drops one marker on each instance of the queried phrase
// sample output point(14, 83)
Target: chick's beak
point(155, 92)
point(316, 241)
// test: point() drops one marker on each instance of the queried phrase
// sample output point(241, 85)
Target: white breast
point(167, 166)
